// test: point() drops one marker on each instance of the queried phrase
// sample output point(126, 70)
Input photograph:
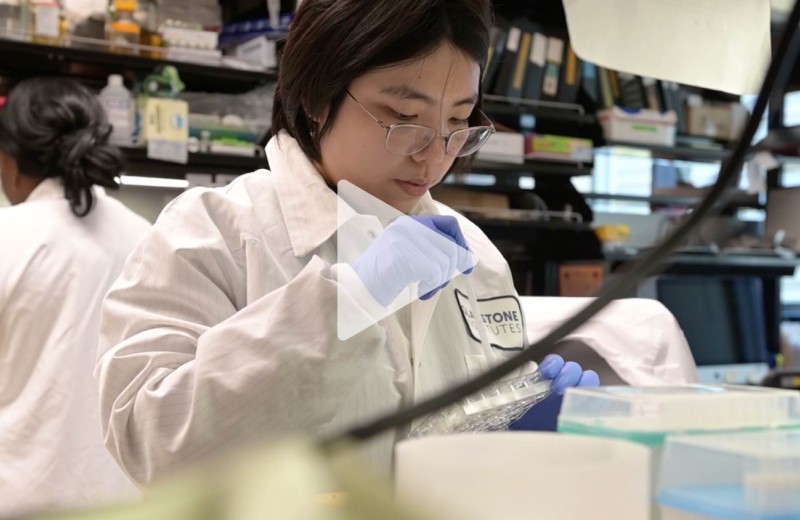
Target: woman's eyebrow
point(408, 92)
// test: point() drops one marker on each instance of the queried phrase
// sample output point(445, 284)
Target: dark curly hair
point(55, 127)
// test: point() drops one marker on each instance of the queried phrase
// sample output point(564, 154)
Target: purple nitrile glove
point(566, 374)
point(430, 250)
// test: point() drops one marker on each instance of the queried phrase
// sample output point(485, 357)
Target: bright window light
point(154, 182)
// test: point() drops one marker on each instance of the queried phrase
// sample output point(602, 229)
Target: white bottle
point(118, 104)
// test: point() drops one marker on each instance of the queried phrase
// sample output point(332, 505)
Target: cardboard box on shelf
point(584, 279)
point(723, 122)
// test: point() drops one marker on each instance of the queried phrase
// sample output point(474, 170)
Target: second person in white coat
point(223, 327)
point(62, 244)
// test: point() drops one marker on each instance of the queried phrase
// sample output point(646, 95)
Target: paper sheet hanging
point(716, 44)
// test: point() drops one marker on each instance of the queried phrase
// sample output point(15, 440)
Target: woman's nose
point(434, 153)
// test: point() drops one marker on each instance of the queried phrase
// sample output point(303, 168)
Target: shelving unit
point(682, 153)
point(139, 164)
point(738, 200)
point(567, 113)
point(92, 62)
point(533, 167)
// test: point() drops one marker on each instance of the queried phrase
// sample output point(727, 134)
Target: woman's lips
point(415, 189)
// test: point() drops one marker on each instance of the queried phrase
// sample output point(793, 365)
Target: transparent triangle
point(361, 221)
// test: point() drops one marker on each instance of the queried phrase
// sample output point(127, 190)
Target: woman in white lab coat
point(63, 244)
point(238, 318)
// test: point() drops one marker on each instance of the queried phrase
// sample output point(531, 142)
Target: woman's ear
point(8, 170)
point(315, 122)
point(319, 118)
point(15, 187)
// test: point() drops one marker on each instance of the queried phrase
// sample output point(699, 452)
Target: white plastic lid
point(115, 80)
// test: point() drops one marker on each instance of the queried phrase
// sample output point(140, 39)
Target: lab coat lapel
point(308, 204)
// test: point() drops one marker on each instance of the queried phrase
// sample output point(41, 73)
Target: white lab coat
point(223, 326)
point(54, 272)
point(638, 338)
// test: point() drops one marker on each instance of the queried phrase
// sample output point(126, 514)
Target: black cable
point(778, 70)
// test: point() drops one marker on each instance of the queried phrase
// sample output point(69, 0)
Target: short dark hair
point(55, 127)
point(333, 42)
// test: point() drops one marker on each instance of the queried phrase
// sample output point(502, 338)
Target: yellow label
point(125, 5)
point(570, 78)
point(522, 60)
point(166, 119)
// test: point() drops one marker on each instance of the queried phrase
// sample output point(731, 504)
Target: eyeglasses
point(408, 138)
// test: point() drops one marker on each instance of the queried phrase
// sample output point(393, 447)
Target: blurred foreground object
point(287, 480)
point(542, 476)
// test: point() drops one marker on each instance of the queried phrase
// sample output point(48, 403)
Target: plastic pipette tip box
point(735, 476)
point(647, 414)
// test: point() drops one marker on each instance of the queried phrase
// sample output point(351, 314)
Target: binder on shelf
point(606, 95)
point(496, 54)
point(590, 81)
point(674, 100)
point(505, 76)
point(570, 76)
point(632, 93)
point(613, 81)
point(652, 91)
point(516, 87)
point(552, 71)
point(537, 60)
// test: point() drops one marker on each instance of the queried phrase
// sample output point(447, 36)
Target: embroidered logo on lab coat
point(501, 316)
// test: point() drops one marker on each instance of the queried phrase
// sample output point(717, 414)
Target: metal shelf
point(92, 61)
point(685, 153)
point(140, 164)
point(569, 113)
point(737, 200)
point(532, 167)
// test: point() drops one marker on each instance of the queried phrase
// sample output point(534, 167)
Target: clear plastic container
point(492, 409)
point(12, 24)
point(742, 476)
point(647, 414)
point(48, 23)
point(650, 415)
point(118, 104)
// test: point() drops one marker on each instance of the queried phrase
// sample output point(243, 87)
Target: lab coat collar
point(49, 189)
point(308, 204)
point(52, 188)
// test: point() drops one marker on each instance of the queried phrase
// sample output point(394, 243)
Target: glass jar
point(124, 32)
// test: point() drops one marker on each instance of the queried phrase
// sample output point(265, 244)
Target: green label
point(639, 127)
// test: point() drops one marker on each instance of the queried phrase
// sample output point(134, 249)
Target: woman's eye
point(402, 117)
point(459, 122)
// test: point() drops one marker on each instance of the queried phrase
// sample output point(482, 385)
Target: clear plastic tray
point(648, 414)
point(493, 408)
point(740, 476)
